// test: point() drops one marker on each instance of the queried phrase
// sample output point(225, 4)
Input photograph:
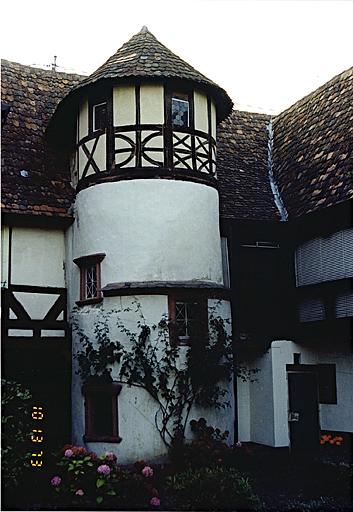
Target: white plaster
point(213, 120)
point(124, 105)
point(269, 396)
point(100, 153)
point(20, 332)
point(4, 255)
point(83, 120)
point(136, 409)
point(150, 230)
point(201, 111)
point(37, 305)
point(52, 333)
point(152, 104)
point(243, 410)
point(37, 257)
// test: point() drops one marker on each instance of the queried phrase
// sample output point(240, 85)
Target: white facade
point(136, 409)
point(265, 421)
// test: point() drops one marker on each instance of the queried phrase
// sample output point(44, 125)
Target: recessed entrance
point(303, 414)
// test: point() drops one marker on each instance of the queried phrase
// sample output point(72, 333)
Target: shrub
point(216, 488)
point(208, 449)
point(83, 480)
point(16, 428)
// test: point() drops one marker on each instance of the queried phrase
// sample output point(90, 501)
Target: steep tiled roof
point(33, 95)
point(144, 56)
point(242, 169)
point(313, 148)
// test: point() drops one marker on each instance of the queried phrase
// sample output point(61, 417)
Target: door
point(303, 414)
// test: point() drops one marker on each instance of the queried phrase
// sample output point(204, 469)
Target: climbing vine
point(176, 377)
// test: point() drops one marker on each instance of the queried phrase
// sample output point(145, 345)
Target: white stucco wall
point(150, 230)
point(124, 105)
point(152, 103)
point(269, 395)
point(136, 409)
point(83, 120)
point(4, 255)
point(200, 111)
point(38, 257)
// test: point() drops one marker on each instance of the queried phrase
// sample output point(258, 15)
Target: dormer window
point(99, 113)
point(180, 111)
point(90, 278)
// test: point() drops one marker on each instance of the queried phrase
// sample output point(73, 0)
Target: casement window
point(325, 259)
point(99, 116)
point(101, 412)
point(90, 278)
point(188, 318)
point(180, 111)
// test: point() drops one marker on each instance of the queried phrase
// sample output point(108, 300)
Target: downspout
point(274, 187)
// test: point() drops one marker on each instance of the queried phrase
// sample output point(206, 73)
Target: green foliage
point(217, 488)
point(208, 449)
point(16, 428)
point(82, 480)
point(175, 377)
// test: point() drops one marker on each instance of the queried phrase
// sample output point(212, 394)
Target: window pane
point(102, 415)
point(99, 116)
point(180, 113)
point(91, 282)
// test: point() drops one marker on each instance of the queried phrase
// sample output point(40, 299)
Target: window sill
point(86, 302)
point(101, 439)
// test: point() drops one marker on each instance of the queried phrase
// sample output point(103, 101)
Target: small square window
point(99, 116)
point(180, 112)
point(90, 278)
point(101, 412)
point(188, 319)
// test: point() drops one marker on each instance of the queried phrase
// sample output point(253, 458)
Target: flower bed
point(85, 481)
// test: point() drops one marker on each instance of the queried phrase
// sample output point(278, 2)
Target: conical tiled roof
point(143, 56)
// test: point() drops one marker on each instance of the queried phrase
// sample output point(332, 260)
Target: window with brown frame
point(188, 318)
point(101, 412)
point(90, 278)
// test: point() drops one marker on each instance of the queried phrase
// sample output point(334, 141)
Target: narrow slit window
point(99, 116)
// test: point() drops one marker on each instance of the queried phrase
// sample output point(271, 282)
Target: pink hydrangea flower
point(110, 456)
point(147, 471)
point(155, 502)
point(79, 492)
point(55, 481)
point(68, 453)
point(103, 469)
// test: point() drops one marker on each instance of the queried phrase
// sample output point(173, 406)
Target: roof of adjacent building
point(313, 148)
point(242, 168)
point(312, 154)
point(143, 56)
point(32, 95)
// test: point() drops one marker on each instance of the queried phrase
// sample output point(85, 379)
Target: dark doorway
point(303, 413)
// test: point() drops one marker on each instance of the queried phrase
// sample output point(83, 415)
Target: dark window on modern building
point(327, 383)
point(99, 113)
point(188, 319)
point(180, 111)
point(101, 412)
